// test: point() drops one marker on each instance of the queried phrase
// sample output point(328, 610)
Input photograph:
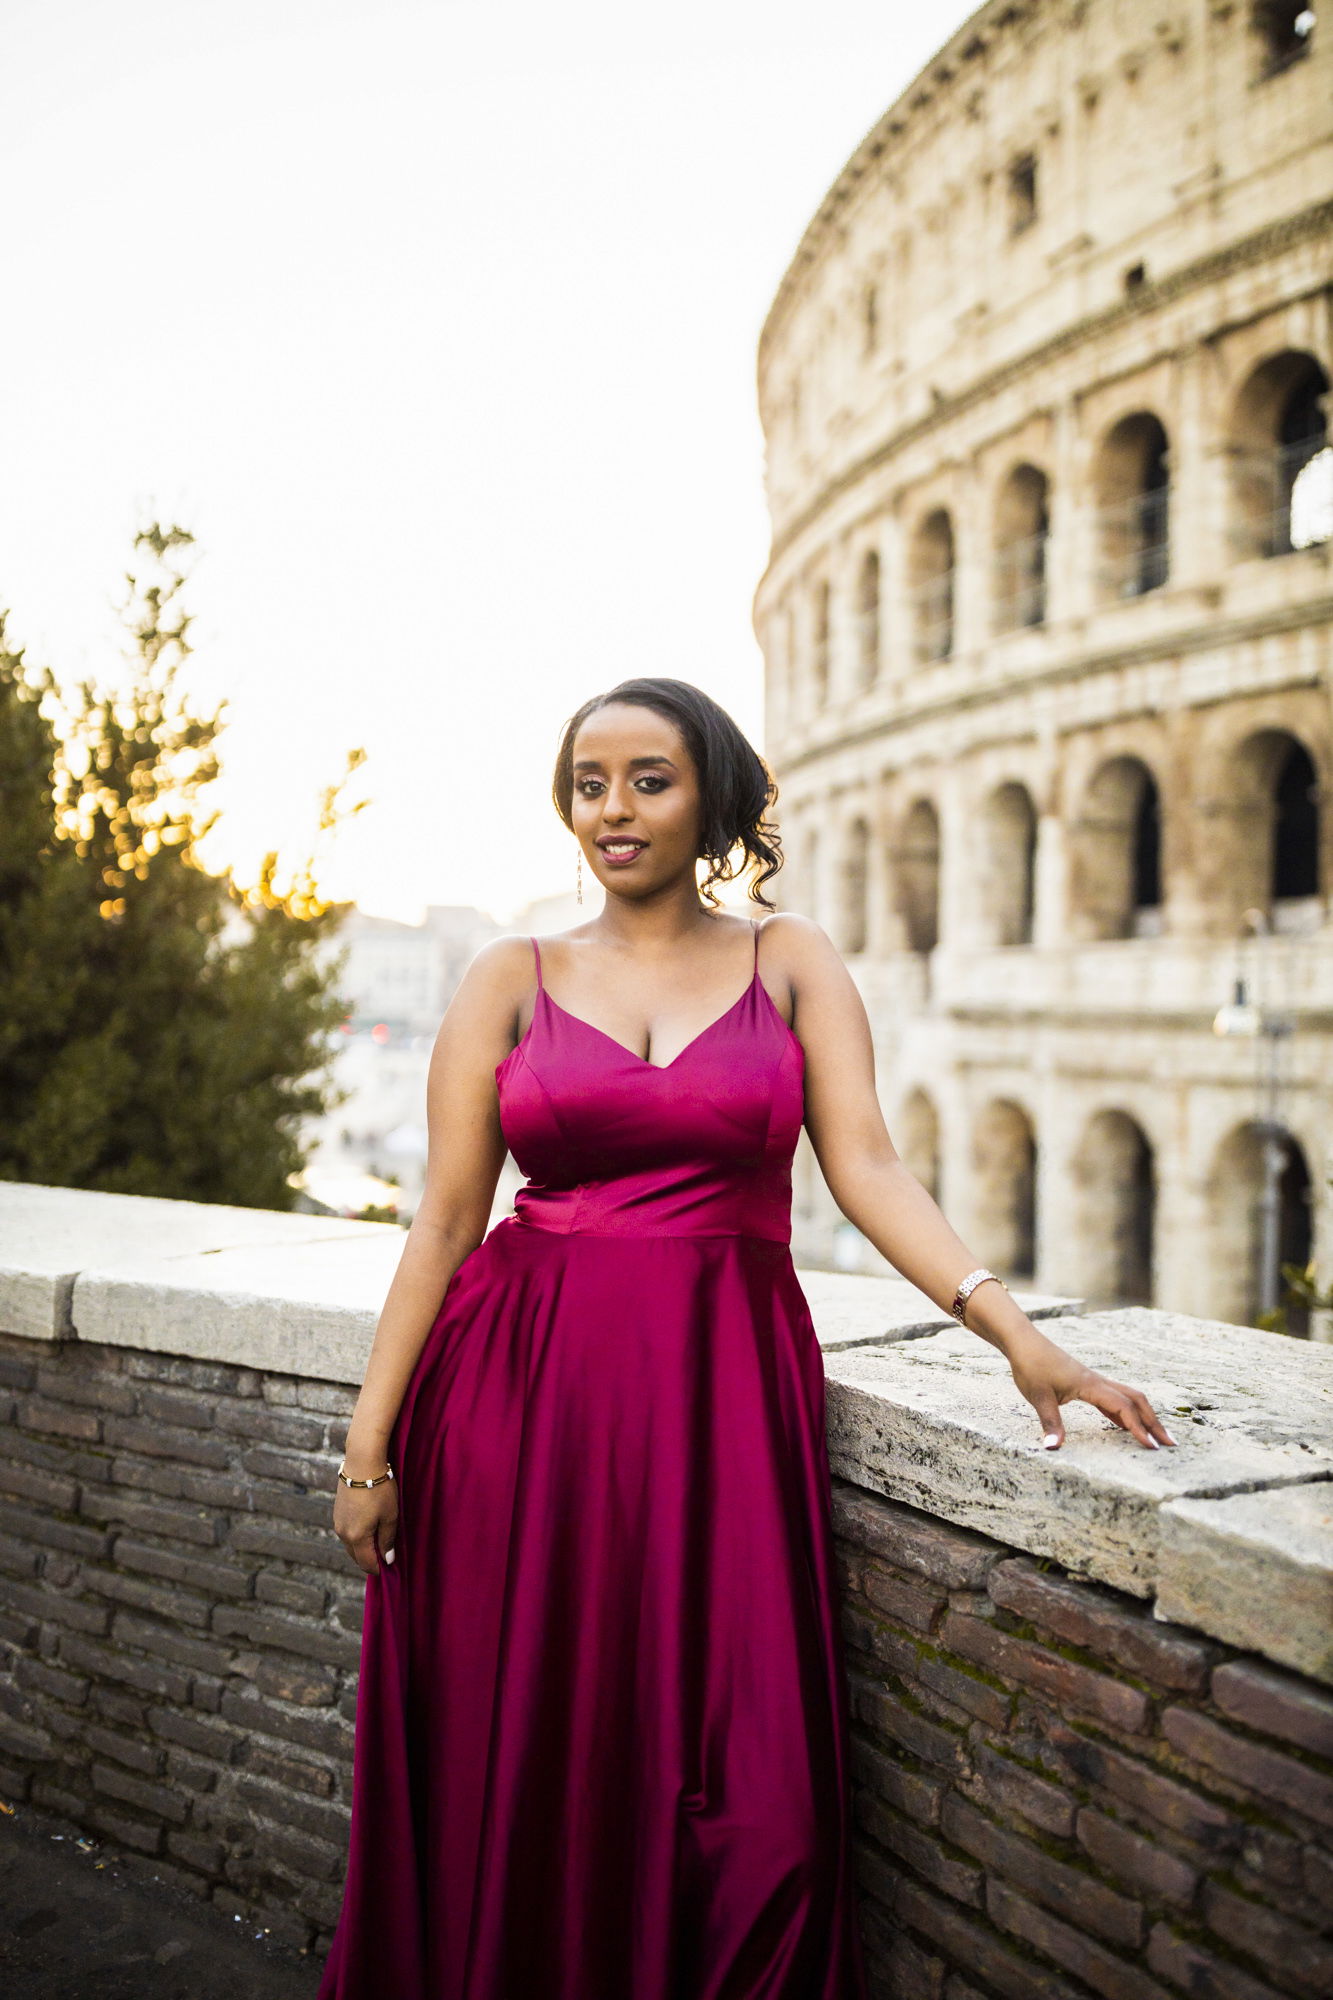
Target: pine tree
point(162, 1031)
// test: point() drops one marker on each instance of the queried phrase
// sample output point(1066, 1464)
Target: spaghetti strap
point(536, 953)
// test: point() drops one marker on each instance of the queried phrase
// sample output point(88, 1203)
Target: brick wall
point(1057, 1796)
point(179, 1627)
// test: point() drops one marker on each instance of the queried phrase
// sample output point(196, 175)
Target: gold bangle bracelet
point(378, 1480)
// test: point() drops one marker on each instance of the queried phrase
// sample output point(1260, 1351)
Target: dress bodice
point(615, 1145)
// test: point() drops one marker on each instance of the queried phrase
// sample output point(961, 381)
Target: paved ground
point(95, 1925)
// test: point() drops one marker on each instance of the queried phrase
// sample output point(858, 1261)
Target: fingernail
point(1051, 1442)
point(1153, 1442)
point(1169, 1438)
point(388, 1555)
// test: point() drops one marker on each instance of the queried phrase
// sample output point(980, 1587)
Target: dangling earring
point(580, 875)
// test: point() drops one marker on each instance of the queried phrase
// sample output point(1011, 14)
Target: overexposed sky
point(436, 321)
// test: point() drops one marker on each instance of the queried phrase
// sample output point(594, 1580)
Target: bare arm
point(876, 1191)
point(465, 1154)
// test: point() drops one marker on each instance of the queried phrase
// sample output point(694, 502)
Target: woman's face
point(635, 803)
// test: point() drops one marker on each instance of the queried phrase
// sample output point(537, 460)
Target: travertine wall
point(1092, 1693)
point(1048, 652)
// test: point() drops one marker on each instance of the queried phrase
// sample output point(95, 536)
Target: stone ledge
point(854, 1311)
point(291, 1292)
point(1255, 1570)
point(50, 1236)
point(938, 1424)
point(1216, 1532)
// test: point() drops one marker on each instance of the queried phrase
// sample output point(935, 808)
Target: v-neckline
point(633, 1054)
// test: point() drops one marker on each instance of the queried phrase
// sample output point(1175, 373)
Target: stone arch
point(1236, 1196)
point(1004, 1171)
point(931, 586)
point(1022, 533)
point(854, 915)
point(918, 1139)
point(918, 874)
point(1006, 876)
point(1276, 840)
point(1114, 1200)
point(1132, 484)
point(1115, 853)
point(1281, 461)
point(868, 618)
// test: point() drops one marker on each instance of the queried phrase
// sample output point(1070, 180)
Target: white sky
point(436, 322)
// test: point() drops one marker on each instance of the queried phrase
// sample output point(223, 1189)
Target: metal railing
point(1134, 544)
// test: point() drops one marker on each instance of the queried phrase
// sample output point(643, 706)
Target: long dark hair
point(736, 788)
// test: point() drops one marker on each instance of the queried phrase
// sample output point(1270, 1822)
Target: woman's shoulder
point(796, 936)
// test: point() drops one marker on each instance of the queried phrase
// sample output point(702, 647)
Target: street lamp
point(1268, 1027)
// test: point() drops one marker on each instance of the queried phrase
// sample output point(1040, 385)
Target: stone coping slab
point(854, 1311)
point(300, 1294)
point(1219, 1531)
point(1255, 1570)
point(49, 1235)
point(938, 1424)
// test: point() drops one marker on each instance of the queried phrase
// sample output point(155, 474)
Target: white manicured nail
point(1051, 1442)
point(1169, 1438)
point(1153, 1442)
point(388, 1555)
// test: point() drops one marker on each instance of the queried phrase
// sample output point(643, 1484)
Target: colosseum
point(1046, 627)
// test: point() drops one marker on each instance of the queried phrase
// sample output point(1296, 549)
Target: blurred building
point(404, 975)
point(1047, 634)
point(397, 980)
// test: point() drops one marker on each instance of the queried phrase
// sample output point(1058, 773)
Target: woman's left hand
point(1048, 1377)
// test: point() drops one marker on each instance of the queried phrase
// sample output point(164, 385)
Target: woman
point(601, 1725)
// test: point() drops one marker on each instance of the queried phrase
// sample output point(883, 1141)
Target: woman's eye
point(654, 784)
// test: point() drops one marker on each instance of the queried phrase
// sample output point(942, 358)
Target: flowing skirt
point(601, 1726)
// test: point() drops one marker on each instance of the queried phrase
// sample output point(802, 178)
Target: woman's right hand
point(366, 1517)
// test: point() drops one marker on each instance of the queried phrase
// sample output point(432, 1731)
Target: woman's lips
point(623, 858)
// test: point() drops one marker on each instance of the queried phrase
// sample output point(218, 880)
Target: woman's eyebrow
point(636, 763)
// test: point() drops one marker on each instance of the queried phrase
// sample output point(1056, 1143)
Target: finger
point(1151, 1419)
point(1117, 1402)
point(1052, 1423)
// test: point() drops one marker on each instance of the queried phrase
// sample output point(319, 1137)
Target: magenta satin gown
point(601, 1728)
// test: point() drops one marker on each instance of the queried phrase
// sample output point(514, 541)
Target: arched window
point(1296, 826)
point(1133, 503)
point(1022, 526)
point(931, 587)
point(1282, 465)
point(1006, 879)
point(1004, 1188)
point(867, 618)
point(1270, 856)
point(918, 874)
point(1113, 1183)
point(1115, 854)
point(855, 883)
point(1285, 29)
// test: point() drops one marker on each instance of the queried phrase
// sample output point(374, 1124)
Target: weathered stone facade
point(1047, 632)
